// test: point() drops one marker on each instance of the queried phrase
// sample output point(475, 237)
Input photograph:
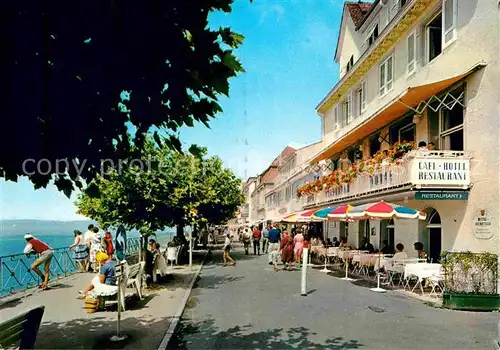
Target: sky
point(288, 57)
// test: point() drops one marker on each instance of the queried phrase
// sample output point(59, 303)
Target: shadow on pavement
point(85, 333)
point(205, 334)
point(214, 281)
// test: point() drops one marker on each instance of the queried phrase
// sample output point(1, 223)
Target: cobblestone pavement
point(66, 325)
point(251, 306)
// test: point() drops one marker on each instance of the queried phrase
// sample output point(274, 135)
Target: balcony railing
point(444, 170)
point(16, 274)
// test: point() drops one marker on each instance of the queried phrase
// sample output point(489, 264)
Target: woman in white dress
point(94, 244)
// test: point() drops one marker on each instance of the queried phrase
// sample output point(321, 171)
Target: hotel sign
point(450, 196)
point(440, 171)
point(482, 225)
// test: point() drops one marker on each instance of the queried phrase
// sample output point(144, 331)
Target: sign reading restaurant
point(440, 171)
point(452, 196)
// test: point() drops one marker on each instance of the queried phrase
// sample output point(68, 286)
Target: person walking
point(256, 234)
point(44, 256)
point(227, 249)
point(286, 247)
point(94, 245)
point(247, 239)
point(265, 238)
point(298, 246)
point(80, 253)
point(274, 246)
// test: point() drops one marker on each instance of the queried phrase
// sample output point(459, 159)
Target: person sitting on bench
point(105, 281)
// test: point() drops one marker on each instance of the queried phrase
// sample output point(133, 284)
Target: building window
point(449, 21)
point(350, 64)
point(412, 53)
point(336, 113)
point(350, 105)
point(361, 97)
point(373, 36)
point(346, 111)
point(386, 75)
point(452, 127)
point(407, 133)
point(434, 32)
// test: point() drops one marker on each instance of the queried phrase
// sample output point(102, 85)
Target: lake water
point(14, 244)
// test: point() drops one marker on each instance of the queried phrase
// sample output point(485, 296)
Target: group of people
point(86, 246)
point(277, 243)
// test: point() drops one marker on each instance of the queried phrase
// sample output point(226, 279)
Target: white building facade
point(281, 199)
point(417, 70)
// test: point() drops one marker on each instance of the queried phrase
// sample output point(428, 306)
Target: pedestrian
point(108, 243)
point(265, 238)
point(256, 234)
point(227, 249)
point(247, 239)
point(80, 254)
point(94, 245)
point(274, 247)
point(286, 247)
point(298, 246)
point(44, 256)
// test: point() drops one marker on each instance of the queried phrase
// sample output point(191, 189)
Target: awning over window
point(409, 99)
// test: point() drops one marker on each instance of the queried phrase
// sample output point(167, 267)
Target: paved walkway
point(66, 324)
point(251, 306)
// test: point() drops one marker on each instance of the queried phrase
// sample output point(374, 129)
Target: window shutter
point(349, 107)
point(363, 96)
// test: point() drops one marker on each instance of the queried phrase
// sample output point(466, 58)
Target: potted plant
point(471, 281)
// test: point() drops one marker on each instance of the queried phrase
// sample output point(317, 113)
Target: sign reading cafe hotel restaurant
point(440, 171)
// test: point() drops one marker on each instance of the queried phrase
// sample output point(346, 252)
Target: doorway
point(363, 232)
point(387, 233)
point(434, 237)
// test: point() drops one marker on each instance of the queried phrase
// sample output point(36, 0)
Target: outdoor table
point(421, 271)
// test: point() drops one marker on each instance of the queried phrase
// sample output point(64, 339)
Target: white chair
point(160, 267)
point(172, 255)
point(134, 277)
point(436, 282)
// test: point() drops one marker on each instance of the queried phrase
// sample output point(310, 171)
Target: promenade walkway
point(249, 306)
point(66, 324)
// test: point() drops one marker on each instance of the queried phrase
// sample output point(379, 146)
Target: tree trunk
point(180, 232)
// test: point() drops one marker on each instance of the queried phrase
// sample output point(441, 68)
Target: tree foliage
point(78, 75)
point(170, 188)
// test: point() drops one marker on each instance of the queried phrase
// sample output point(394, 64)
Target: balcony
point(417, 170)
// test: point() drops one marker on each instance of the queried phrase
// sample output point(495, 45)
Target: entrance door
point(434, 237)
point(435, 244)
point(363, 232)
point(387, 233)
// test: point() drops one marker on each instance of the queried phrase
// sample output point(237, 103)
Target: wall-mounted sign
point(482, 225)
point(448, 196)
point(440, 171)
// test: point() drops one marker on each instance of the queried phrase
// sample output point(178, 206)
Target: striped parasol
point(322, 214)
point(384, 210)
point(303, 216)
point(340, 213)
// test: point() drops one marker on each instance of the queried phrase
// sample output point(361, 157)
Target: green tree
point(173, 189)
point(77, 76)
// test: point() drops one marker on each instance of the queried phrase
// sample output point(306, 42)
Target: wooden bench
point(131, 278)
point(21, 331)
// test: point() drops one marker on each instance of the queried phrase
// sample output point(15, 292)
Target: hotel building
point(416, 70)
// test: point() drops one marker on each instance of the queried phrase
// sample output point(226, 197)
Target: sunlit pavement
point(251, 306)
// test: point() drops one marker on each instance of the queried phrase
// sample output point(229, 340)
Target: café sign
point(441, 171)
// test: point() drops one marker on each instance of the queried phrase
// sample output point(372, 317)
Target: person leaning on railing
point(44, 253)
